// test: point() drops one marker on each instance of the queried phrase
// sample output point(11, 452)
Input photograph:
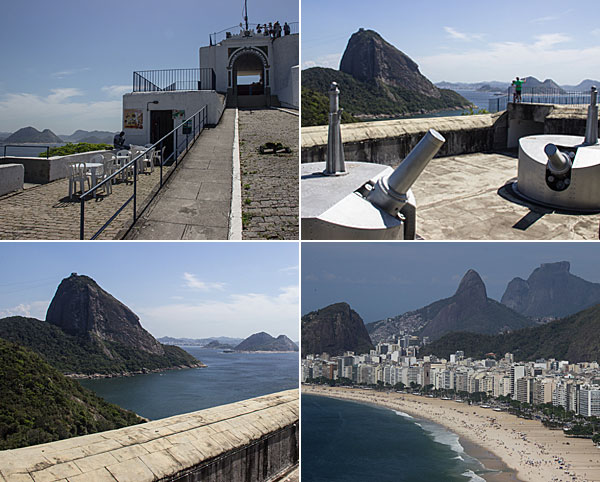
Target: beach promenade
point(536, 453)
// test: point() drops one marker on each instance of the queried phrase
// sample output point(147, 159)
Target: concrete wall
point(39, 170)
point(388, 142)
point(285, 71)
point(188, 101)
point(252, 440)
point(11, 178)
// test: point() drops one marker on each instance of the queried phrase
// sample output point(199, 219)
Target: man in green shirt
point(518, 87)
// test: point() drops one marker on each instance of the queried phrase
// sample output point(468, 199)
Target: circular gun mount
point(558, 168)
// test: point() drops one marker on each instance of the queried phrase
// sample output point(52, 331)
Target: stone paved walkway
point(270, 183)
point(195, 203)
point(45, 211)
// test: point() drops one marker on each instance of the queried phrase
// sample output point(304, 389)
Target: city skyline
point(463, 41)
point(182, 290)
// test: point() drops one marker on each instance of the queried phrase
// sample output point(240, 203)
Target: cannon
point(361, 200)
point(562, 171)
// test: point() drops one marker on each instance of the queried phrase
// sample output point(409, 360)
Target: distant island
point(376, 80)
point(264, 342)
point(530, 82)
point(31, 135)
point(202, 342)
point(89, 333)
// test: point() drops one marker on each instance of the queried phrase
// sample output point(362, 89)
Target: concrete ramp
point(251, 440)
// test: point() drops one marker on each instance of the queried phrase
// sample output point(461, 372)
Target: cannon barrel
point(335, 149)
point(390, 193)
point(558, 162)
point(591, 126)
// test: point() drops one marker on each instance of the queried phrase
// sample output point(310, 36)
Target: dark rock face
point(264, 342)
point(81, 308)
point(31, 134)
point(469, 309)
point(551, 291)
point(368, 57)
point(334, 329)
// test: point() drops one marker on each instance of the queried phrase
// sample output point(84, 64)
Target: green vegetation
point(365, 98)
point(315, 109)
point(75, 355)
point(38, 404)
point(71, 148)
point(575, 338)
point(473, 110)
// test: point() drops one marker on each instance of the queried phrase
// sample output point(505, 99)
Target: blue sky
point(192, 290)
point(464, 40)
point(66, 63)
point(386, 279)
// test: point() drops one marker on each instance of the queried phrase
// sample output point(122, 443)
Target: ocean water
point(16, 150)
point(229, 377)
point(345, 441)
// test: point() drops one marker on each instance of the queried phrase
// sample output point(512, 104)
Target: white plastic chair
point(123, 157)
point(77, 174)
point(148, 160)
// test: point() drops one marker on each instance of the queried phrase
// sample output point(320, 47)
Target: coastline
point(526, 447)
point(92, 376)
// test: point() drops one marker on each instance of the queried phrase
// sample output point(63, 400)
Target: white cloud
point(58, 111)
point(35, 309)
point(116, 90)
point(330, 60)
point(239, 315)
point(547, 18)
point(289, 269)
point(455, 34)
point(67, 73)
point(192, 281)
point(542, 58)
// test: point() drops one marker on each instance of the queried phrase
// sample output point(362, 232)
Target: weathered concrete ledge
point(39, 170)
point(388, 142)
point(251, 440)
point(11, 178)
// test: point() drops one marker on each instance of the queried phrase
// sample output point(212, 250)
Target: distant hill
point(264, 342)
point(575, 338)
point(38, 404)
point(490, 86)
point(469, 309)
point(32, 135)
point(315, 109)
point(583, 85)
point(88, 331)
point(167, 340)
point(532, 82)
point(217, 345)
point(376, 80)
point(92, 137)
point(334, 329)
point(551, 291)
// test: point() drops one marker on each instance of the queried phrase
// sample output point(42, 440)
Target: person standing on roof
point(286, 29)
point(518, 88)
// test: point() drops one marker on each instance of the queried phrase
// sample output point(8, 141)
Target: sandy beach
point(535, 453)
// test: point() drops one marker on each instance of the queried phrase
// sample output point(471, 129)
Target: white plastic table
point(93, 168)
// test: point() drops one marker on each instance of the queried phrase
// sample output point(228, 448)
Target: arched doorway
point(249, 78)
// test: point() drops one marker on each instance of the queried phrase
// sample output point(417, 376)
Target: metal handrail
point(540, 95)
point(167, 80)
point(198, 121)
point(22, 145)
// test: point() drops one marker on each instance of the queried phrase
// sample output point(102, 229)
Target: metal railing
point(33, 146)
point(217, 37)
point(540, 95)
point(190, 128)
point(169, 80)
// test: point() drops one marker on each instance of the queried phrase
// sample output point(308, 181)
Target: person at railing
point(286, 29)
point(518, 88)
point(277, 28)
point(119, 141)
point(258, 29)
point(266, 30)
point(271, 30)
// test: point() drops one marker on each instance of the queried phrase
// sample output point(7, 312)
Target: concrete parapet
point(39, 170)
point(251, 440)
point(388, 142)
point(11, 178)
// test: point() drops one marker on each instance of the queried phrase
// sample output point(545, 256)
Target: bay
point(228, 378)
point(345, 441)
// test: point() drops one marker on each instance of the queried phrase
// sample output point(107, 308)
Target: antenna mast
point(246, 13)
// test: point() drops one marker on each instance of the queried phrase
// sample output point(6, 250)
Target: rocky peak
point(82, 308)
point(471, 288)
point(368, 57)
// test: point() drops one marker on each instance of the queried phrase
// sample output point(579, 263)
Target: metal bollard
point(335, 165)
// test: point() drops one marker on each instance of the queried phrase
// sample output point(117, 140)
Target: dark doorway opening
point(161, 122)
point(249, 74)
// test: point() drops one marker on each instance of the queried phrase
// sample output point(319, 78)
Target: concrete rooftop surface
point(466, 197)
